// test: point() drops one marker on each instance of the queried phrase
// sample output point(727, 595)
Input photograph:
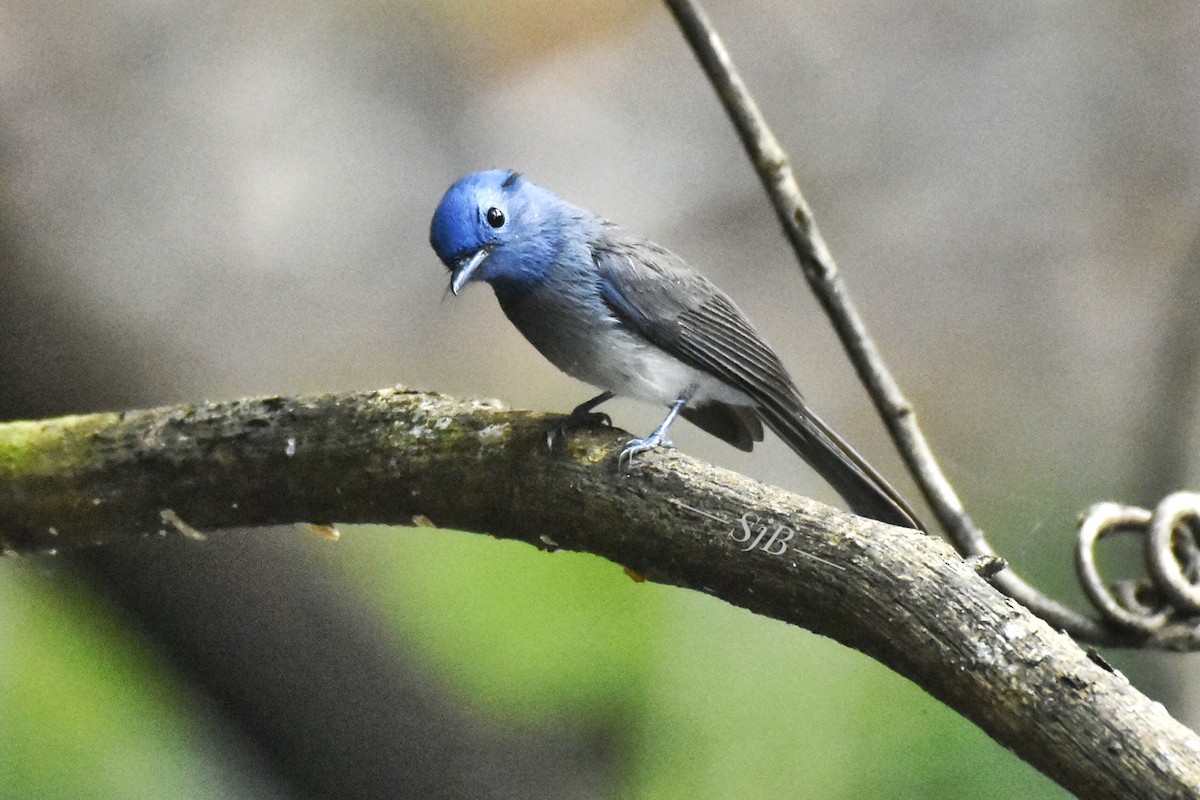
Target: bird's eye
point(495, 217)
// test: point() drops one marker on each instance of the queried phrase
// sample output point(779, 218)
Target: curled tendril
point(1171, 594)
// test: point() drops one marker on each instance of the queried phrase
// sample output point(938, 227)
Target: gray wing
point(685, 314)
point(655, 292)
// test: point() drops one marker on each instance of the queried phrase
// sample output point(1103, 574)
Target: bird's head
point(495, 226)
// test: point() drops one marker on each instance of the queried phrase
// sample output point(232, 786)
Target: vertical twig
point(819, 268)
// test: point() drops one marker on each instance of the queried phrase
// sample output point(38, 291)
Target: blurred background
point(217, 200)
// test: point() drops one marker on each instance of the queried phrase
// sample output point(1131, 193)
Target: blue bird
point(631, 318)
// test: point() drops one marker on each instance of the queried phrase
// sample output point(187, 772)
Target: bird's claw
point(576, 419)
point(636, 447)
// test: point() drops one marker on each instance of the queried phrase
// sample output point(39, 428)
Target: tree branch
point(400, 456)
point(816, 262)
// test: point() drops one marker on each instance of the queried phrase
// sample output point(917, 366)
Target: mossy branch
point(395, 456)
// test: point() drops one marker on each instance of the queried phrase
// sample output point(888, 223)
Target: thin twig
point(819, 268)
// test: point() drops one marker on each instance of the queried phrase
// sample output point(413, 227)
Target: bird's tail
point(864, 489)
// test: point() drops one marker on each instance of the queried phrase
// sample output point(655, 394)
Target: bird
point(633, 319)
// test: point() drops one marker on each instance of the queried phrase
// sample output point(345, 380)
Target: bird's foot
point(580, 417)
point(638, 446)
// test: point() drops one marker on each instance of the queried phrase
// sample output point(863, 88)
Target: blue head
point(498, 227)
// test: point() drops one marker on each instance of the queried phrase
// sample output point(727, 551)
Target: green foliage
point(86, 714)
point(518, 632)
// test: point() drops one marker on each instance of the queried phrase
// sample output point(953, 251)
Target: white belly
point(581, 337)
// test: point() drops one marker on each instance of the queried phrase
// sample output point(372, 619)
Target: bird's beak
point(465, 267)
